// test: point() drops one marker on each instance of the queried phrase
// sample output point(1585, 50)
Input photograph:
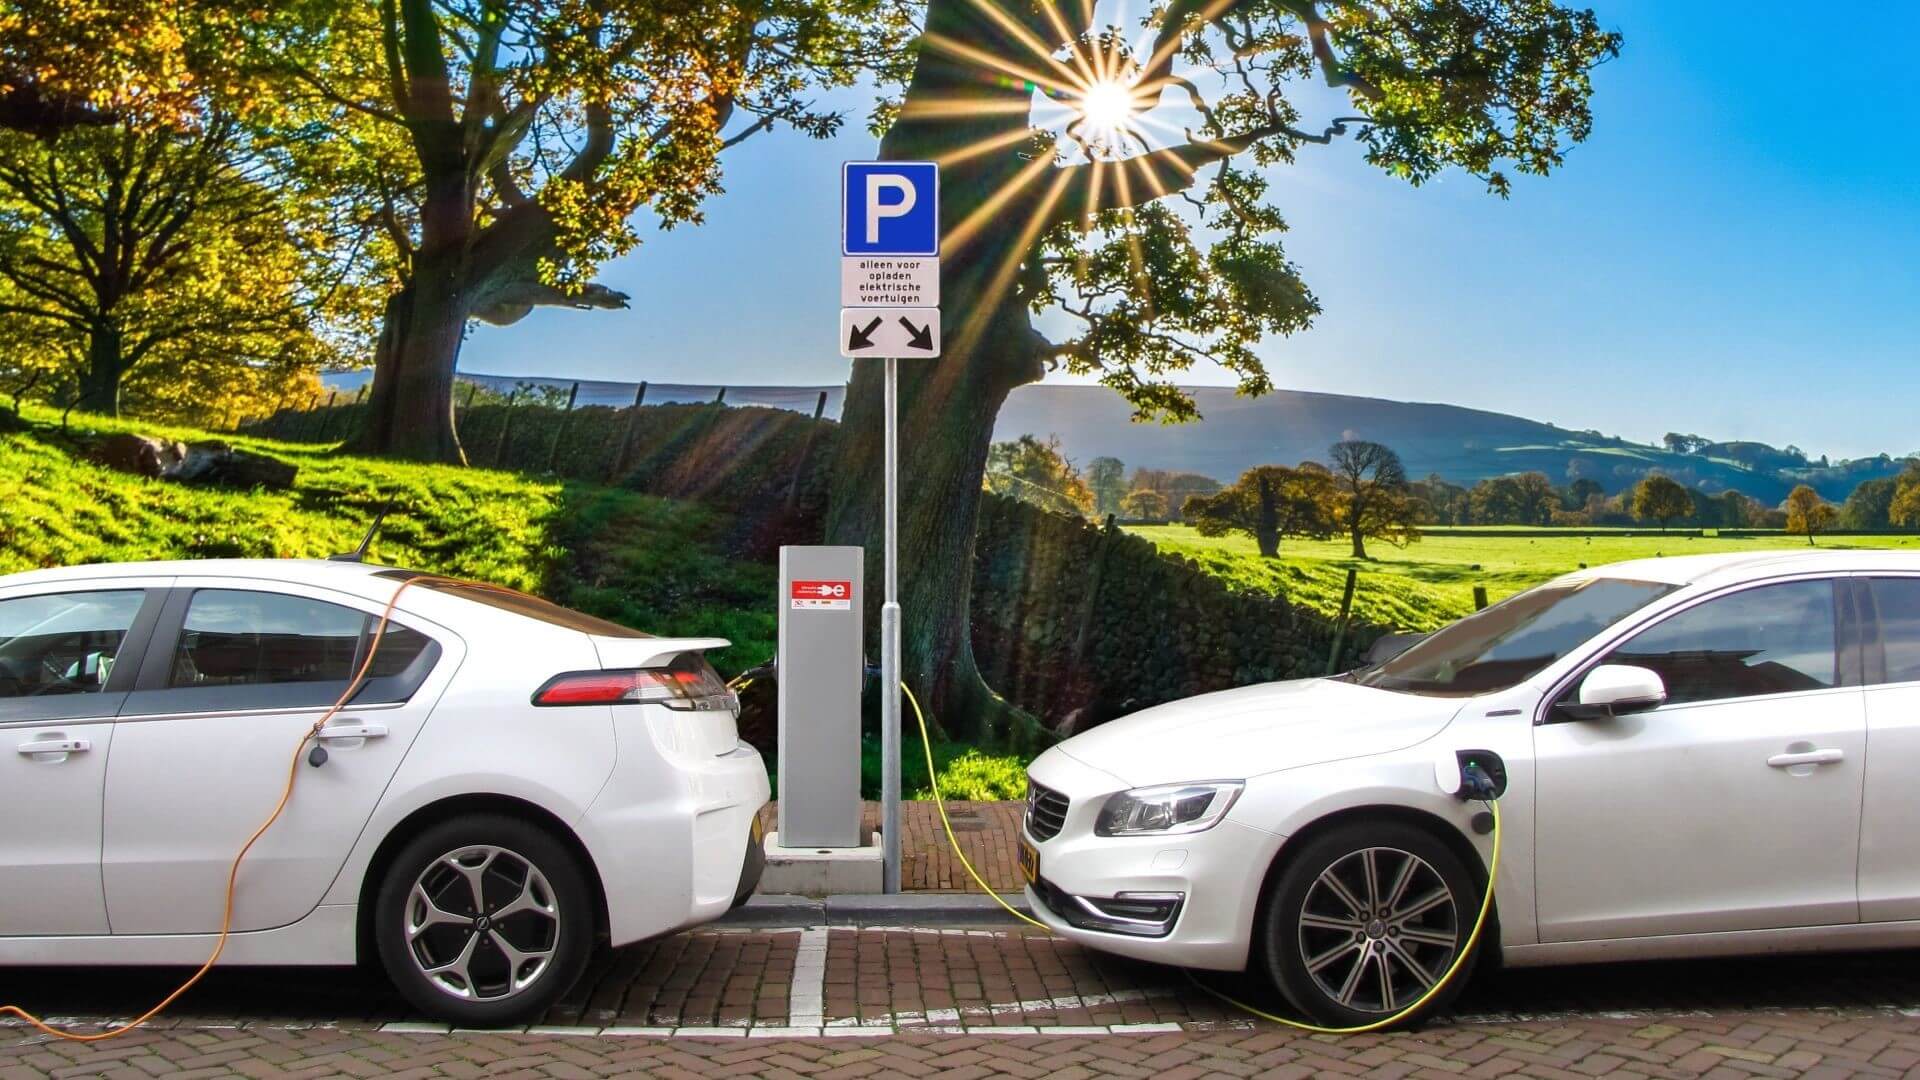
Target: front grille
point(1046, 811)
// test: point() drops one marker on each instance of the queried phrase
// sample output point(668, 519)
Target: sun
point(1107, 107)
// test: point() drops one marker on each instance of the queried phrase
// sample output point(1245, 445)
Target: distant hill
point(1463, 445)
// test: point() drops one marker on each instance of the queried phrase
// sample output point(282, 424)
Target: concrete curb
point(930, 910)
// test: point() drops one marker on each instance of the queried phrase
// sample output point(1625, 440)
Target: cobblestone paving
point(977, 1003)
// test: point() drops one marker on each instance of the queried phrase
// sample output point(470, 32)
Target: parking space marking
point(806, 1000)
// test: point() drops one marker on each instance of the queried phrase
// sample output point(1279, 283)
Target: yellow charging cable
point(1453, 969)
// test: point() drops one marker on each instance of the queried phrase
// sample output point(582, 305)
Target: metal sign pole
point(890, 651)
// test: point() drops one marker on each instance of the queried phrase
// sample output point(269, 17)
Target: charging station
point(821, 666)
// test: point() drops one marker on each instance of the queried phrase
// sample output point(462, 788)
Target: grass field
point(639, 560)
point(1430, 583)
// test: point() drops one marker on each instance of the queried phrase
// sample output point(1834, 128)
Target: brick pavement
point(987, 832)
point(974, 1003)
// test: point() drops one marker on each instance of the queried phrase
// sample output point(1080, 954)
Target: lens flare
point(1107, 106)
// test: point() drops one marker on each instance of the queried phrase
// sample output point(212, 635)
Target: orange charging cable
point(286, 795)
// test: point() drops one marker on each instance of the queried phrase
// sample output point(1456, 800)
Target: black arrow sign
point(861, 338)
point(920, 337)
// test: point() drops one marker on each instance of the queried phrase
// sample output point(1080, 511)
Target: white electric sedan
point(514, 782)
point(1700, 756)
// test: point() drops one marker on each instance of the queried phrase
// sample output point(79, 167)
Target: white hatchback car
point(515, 781)
point(1701, 756)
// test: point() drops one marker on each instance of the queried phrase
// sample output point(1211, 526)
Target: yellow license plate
point(1028, 858)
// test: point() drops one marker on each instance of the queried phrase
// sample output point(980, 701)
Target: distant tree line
point(1362, 492)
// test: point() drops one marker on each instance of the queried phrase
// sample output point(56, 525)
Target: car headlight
point(1166, 809)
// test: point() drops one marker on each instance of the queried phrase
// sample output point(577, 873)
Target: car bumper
point(1216, 876)
point(672, 861)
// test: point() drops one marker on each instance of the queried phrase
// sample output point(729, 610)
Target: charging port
point(1482, 774)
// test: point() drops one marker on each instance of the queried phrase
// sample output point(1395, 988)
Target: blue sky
point(1735, 252)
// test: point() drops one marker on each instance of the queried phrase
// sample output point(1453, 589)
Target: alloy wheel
point(482, 923)
point(1378, 929)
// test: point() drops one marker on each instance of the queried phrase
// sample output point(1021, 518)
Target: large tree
point(1375, 498)
point(1269, 502)
point(165, 256)
point(503, 149)
point(1808, 514)
point(1662, 499)
point(1069, 188)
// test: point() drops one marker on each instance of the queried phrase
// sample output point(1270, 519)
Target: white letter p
point(877, 183)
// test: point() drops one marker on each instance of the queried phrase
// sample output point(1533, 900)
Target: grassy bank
point(645, 562)
point(1428, 584)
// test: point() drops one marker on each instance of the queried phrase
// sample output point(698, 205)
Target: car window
point(234, 637)
point(1514, 639)
point(63, 643)
point(1774, 639)
point(1897, 601)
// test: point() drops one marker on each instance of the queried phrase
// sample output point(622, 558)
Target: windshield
point(1513, 640)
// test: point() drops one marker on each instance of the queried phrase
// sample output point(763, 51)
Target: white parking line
point(806, 1001)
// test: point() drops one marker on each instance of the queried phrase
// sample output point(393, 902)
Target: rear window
point(519, 603)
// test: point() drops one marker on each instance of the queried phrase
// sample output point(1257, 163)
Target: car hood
point(1233, 734)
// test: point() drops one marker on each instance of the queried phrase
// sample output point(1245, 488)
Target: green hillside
point(642, 561)
point(1426, 585)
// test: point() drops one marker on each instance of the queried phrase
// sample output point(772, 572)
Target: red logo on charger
point(821, 595)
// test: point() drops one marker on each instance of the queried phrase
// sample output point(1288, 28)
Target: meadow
point(1429, 583)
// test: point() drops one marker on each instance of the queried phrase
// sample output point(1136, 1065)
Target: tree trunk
point(410, 409)
point(1359, 541)
point(1266, 531)
point(948, 405)
point(106, 365)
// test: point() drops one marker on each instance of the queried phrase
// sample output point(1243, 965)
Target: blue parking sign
point(890, 208)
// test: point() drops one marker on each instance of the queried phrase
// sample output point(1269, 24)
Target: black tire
point(1392, 961)
point(517, 864)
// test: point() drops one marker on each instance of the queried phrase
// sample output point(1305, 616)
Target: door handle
point(352, 731)
point(56, 746)
point(1807, 757)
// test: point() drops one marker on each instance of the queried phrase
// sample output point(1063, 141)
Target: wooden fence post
point(361, 397)
point(721, 397)
point(1340, 628)
point(560, 429)
point(806, 452)
point(1479, 598)
point(506, 428)
point(326, 418)
point(625, 449)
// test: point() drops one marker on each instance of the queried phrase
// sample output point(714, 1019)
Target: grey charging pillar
point(821, 669)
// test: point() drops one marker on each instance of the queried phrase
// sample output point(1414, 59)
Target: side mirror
point(1615, 689)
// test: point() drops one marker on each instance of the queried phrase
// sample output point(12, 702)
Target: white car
point(1701, 756)
point(515, 782)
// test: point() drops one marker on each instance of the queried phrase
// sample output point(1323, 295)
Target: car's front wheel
point(1365, 920)
point(484, 921)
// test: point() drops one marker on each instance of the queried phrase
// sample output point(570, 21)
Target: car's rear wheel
point(1366, 920)
point(484, 921)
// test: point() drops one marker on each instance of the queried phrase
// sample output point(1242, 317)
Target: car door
point(1733, 806)
point(1890, 810)
point(68, 653)
point(237, 673)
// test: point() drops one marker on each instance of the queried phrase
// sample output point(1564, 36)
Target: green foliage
point(1037, 472)
point(1107, 477)
point(1269, 502)
point(166, 264)
point(1662, 499)
point(1144, 504)
point(644, 561)
point(1808, 514)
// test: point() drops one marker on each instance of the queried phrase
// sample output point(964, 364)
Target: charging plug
point(1475, 783)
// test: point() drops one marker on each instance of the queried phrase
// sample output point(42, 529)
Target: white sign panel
point(890, 331)
point(876, 281)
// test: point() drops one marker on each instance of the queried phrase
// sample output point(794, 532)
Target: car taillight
point(687, 683)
